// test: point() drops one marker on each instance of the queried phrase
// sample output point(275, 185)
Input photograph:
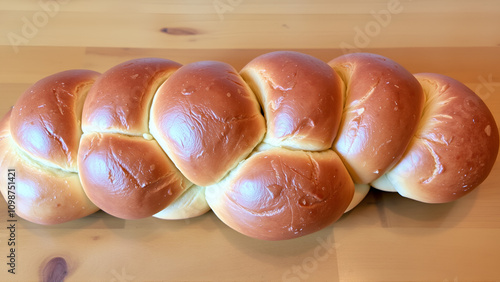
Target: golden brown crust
point(301, 97)
point(128, 177)
point(383, 107)
point(119, 101)
point(46, 118)
point(281, 194)
point(454, 148)
point(40, 194)
point(207, 120)
point(122, 168)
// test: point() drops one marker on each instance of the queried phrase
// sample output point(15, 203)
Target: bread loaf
point(278, 150)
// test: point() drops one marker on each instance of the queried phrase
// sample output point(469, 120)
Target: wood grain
point(386, 238)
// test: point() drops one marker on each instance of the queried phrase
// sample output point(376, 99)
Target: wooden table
point(386, 238)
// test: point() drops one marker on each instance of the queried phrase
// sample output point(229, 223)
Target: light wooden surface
point(386, 238)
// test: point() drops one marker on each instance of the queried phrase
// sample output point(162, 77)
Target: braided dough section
point(207, 120)
point(301, 97)
point(284, 190)
point(454, 148)
point(281, 194)
point(382, 109)
point(39, 139)
point(123, 169)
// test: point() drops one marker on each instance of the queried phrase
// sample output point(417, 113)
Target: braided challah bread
point(278, 150)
